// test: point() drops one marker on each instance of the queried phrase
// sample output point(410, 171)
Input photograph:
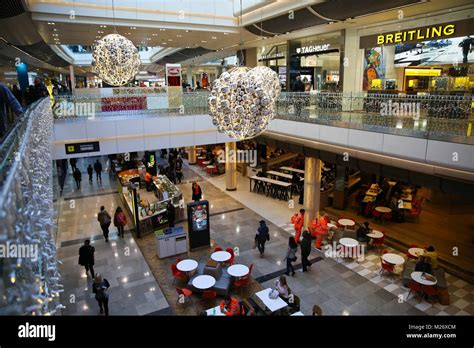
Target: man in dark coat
point(171, 213)
point(262, 237)
point(305, 250)
point(98, 170)
point(86, 256)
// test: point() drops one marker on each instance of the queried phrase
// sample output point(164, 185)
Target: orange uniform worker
point(230, 306)
point(298, 220)
point(319, 229)
point(148, 179)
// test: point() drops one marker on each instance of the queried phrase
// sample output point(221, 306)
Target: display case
point(149, 216)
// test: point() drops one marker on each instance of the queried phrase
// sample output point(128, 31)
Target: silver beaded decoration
point(115, 59)
point(243, 101)
point(30, 285)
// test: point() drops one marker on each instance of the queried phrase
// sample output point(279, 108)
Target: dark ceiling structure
point(324, 13)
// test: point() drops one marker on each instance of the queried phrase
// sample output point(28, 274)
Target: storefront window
point(317, 61)
point(274, 57)
point(444, 65)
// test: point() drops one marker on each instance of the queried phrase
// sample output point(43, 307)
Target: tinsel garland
point(30, 286)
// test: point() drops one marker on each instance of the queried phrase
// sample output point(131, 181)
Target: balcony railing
point(446, 118)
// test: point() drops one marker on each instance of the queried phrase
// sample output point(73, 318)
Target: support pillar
point(192, 154)
point(22, 73)
point(72, 78)
point(339, 200)
point(312, 189)
point(230, 166)
point(189, 75)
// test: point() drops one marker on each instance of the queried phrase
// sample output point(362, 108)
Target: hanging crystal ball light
point(115, 59)
point(243, 101)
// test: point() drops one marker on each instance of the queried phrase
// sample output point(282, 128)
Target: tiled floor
point(364, 273)
point(134, 290)
point(339, 288)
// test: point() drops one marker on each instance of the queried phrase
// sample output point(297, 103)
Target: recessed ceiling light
point(203, 41)
point(163, 43)
point(187, 46)
point(154, 34)
point(51, 23)
point(148, 38)
point(214, 38)
point(179, 35)
point(170, 39)
point(162, 29)
point(133, 28)
point(103, 26)
point(187, 31)
point(129, 33)
point(55, 29)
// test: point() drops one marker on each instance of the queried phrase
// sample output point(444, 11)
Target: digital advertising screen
point(451, 51)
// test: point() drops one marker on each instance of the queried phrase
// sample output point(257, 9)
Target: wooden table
point(277, 189)
point(290, 169)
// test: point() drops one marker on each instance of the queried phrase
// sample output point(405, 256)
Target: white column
point(353, 71)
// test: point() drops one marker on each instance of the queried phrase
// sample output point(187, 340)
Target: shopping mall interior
point(237, 158)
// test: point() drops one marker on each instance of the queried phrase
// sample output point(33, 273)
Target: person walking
point(120, 220)
point(179, 170)
point(171, 212)
point(305, 250)
point(73, 162)
point(197, 192)
point(262, 237)
point(7, 101)
point(291, 256)
point(99, 288)
point(90, 171)
point(104, 220)
point(298, 220)
point(77, 177)
point(86, 257)
point(98, 171)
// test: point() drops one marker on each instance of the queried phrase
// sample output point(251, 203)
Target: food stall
point(149, 210)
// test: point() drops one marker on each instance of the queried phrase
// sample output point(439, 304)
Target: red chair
point(386, 267)
point(430, 291)
point(377, 243)
point(387, 216)
point(183, 293)
point(177, 274)
point(414, 286)
point(218, 249)
point(415, 213)
point(242, 283)
point(376, 214)
point(208, 295)
point(232, 256)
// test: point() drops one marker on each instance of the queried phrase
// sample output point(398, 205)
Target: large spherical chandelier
point(115, 59)
point(243, 101)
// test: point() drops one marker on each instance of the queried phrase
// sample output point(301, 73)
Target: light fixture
point(55, 29)
point(203, 41)
point(214, 38)
point(226, 33)
point(179, 35)
point(115, 59)
point(170, 40)
point(133, 28)
point(51, 23)
point(187, 31)
point(154, 34)
point(243, 101)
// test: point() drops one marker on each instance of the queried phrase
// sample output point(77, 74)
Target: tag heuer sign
point(312, 49)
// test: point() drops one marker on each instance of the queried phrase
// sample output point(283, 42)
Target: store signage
point(414, 35)
point(272, 56)
point(417, 34)
point(72, 149)
point(312, 49)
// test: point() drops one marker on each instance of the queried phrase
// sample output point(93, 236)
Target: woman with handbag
point(291, 256)
point(120, 221)
point(99, 288)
